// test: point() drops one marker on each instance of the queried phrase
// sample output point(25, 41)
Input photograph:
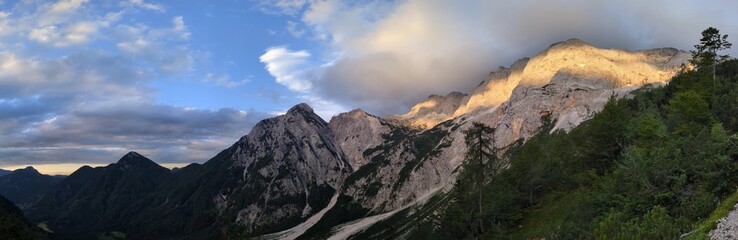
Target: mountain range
point(25, 186)
point(296, 176)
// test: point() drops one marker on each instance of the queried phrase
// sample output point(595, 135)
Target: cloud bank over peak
point(384, 56)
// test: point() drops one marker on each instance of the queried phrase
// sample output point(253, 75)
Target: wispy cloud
point(144, 5)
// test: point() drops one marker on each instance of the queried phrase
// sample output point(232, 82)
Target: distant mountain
point(25, 186)
point(284, 171)
point(14, 226)
point(4, 172)
point(99, 198)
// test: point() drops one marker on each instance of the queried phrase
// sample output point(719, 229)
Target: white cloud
point(6, 27)
point(180, 28)
point(287, 67)
point(66, 6)
point(74, 34)
point(61, 24)
point(289, 7)
point(145, 5)
point(80, 32)
point(46, 34)
point(293, 70)
point(165, 48)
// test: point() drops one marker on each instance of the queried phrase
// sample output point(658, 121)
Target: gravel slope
point(727, 227)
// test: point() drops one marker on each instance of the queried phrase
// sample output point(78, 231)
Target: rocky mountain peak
point(571, 62)
point(433, 110)
point(355, 114)
point(301, 108)
point(289, 161)
point(357, 131)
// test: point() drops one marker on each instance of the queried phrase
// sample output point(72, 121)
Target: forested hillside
point(653, 166)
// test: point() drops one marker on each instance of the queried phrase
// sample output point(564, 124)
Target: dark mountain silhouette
point(25, 186)
point(14, 226)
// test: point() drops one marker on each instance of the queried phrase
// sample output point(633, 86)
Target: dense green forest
point(658, 165)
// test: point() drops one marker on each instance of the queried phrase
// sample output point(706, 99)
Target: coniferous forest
point(661, 164)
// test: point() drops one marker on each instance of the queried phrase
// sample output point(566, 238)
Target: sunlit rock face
point(433, 110)
point(561, 62)
point(568, 82)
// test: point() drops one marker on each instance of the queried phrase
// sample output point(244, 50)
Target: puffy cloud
point(295, 70)
point(286, 67)
point(66, 6)
point(385, 56)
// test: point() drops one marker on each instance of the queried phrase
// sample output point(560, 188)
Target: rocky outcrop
point(291, 168)
point(568, 83)
point(591, 66)
point(433, 110)
point(355, 132)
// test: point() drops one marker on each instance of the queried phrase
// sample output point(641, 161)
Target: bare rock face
point(563, 62)
point(433, 110)
point(357, 131)
point(291, 168)
point(401, 169)
point(495, 90)
point(568, 82)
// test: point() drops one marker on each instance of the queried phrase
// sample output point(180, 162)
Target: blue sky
point(230, 35)
point(85, 81)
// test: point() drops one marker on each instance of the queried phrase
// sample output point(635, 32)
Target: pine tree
point(480, 151)
point(705, 54)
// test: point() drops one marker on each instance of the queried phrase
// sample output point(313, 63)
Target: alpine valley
point(360, 176)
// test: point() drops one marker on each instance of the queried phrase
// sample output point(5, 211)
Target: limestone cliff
point(433, 110)
point(568, 82)
point(591, 66)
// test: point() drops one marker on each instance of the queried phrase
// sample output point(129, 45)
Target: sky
point(82, 82)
